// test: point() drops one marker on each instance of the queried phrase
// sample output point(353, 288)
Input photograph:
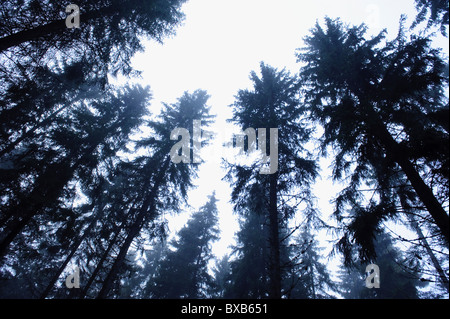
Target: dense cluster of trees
point(77, 190)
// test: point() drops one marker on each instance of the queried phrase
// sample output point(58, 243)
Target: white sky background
point(216, 48)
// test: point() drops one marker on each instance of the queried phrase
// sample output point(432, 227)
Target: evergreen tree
point(109, 31)
point(378, 105)
point(123, 196)
point(427, 247)
point(158, 183)
point(249, 277)
point(274, 103)
point(183, 272)
point(399, 277)
point(82, 140)
point(436, 11)
point(61, 129)
point(46, 68)
point(309, 276)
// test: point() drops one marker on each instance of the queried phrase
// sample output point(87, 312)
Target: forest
point(84, 192)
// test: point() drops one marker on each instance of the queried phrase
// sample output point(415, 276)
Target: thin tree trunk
point(41, 194)
point(68, 258)
point(146, 211)
point(274, 263)
point(433, 258)
point(425, 244)
point(60, 172)
point(89, 283)
point(109, 280)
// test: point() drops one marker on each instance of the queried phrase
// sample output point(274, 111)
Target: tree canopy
point(91, 172)
point(376, 104)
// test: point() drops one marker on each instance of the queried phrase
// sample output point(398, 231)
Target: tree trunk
point(147, 210)
point(43, 193)
point(433, 258)
point(55, 27)
point(274, 240)
point(112, 274)
point(46, 192)
point(68, 258)
point(89, 283)
point(58, 27)
point(45, 122)
point(399, 155)
point(425, 194)
point(425, 244)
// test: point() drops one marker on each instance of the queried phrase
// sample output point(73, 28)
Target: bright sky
point(218, 46)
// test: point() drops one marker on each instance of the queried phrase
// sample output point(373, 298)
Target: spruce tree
point(249, 273)
point(399, 277)
point(377, 101)
point(273, 103)
point(82, 139)
point(183, 272)
point(109, 31)
point(159, 183)
point(309, 278)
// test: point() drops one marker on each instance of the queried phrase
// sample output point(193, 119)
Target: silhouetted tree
point(399, 277)
point(72, 149)
point(161, 184)
point(274, 103)
point(249, 273)
point(183, 272)
point(61, 129)
point(377, 105)
point(309, 277)
point(436, 11)
point(109, 31)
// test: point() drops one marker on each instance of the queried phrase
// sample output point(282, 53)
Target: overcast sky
point(221, 42)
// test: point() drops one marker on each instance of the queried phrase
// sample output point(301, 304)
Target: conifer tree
point(249, 273)
point(399, 277)
point(378, 103)
point(159, 183)
point(309, 277)
point(109, 31)
point(274, 103)
point(183, 272)
point(72, 149)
